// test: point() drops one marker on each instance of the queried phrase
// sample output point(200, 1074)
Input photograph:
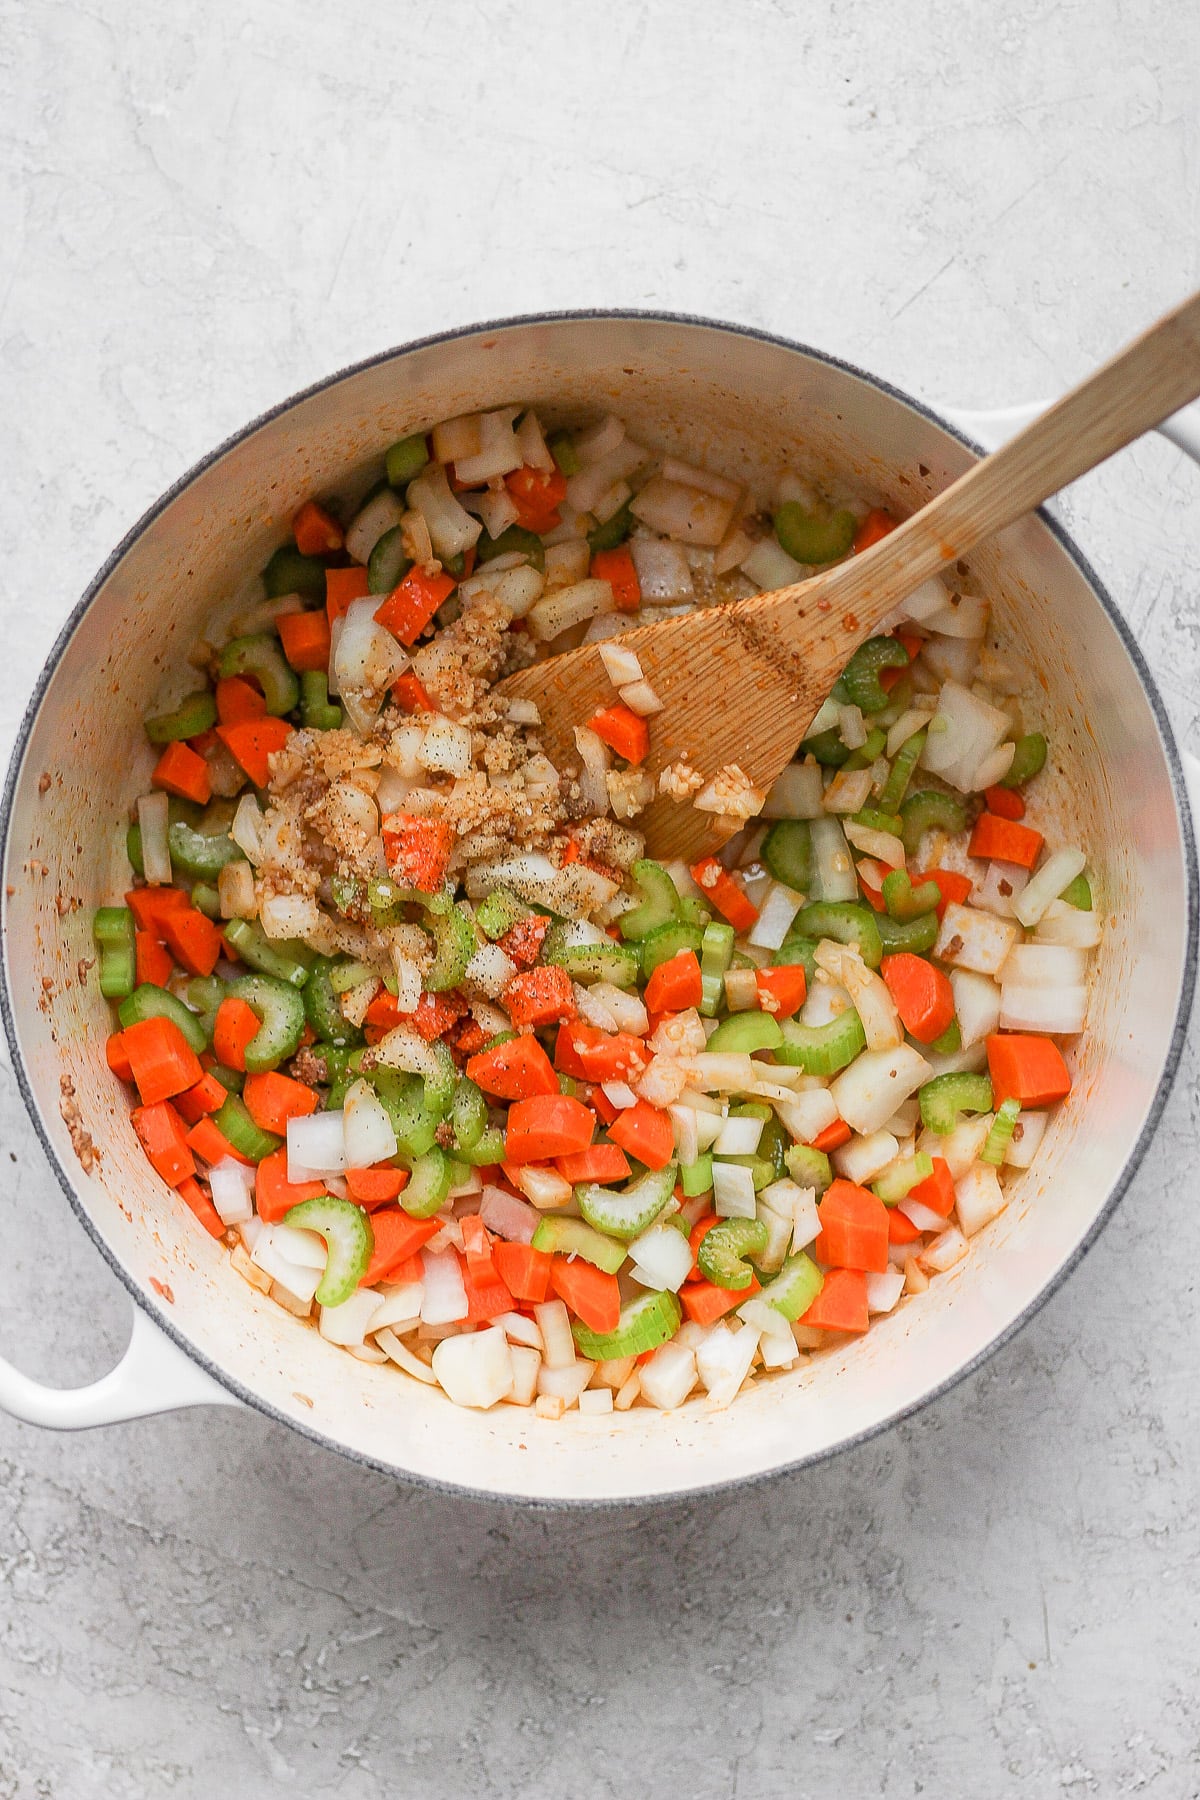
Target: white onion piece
point(509, 1218)
point(368, 1134)
point(1056, 873)
point(531, 442)
point(597, 440)
point(863, 1158)
point(460, 436)
point(1028, 1132)
point(544, 1188)
point(554, 1323)
point(489, 972)
point(445, 747)
point(400, 1305)
point(558, 612)
point(733, 1191)
point(316, 1146)
point(962, 734)
point(669, 1376)
point(475, 1370)
point(849, 790)
point(971, 939)
point(347, 1323)
point(300, 1281)
point(704, 479)
point(976, 1005)
point(950, 659)
point(775, 916)
point(403, 1357)
point(289, 915)
point(723, 1361)
point(499, 452)
point(1058, 1011)
point(1000, 887)
point(1062, 923)
point(852, 727)
point(881, 844)
point(923, 1217)
point(444, 1300)
point(946, 1249)
point(796, 794)
point(451, 527)
point(566, 1384)
point(960, 1147)
point(527, 1366)
point(907, 726)
point(232, 1185)
point(685, 513)
point(641, 699)
point(884, 1290)
point(380, 514)
point(663, 1256)
point(738, 1137)
point(833, 866)
point(588, 489)
point(1044, 965)
point(771, 567)
point(235, 889)
point(662, 570)
point(963, 616)
point(596, 758)
point(495, 506)
point(995, 767)
point(156, 854)
point(868, 1092)
point(930, 598)
point(978, 1197)
point(366, 661)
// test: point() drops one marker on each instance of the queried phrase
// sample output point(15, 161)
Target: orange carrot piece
point(522, 942)
point(566, 1050)
point(117, 1056)
point(599, 1162)
point(150, 905)
point(1005, 841)
point(1004, 803)
point(876, 525)
point(607, 1055)
point(376, 1186)
point(729, 898)
point(162, 1136)
point(410, 606)
point(272, 1099)
point(675, 986)
point(434, 1014)
point(901, 1229)
point(955, 888)
point(162, 1061)
point(397, 1238)
point(341, 587)
point(593, 1296)
point(832, 1138)
point(210, 1143)
point(194, 1196)
point(618, 569)
point(841, 1304)
point(541, 996)
point(921, 993)
point(305, 637)
point(699, 1232)
point(538, 493)
point(417, 850)
point(781, 991)
point(193, 939)
point(516, 1070)
point(152, 959)
point(705, 1303)
point(238, 699)
point(624, 731)
point(252, 741)
point(409, 692)
point(1024, 1067)
point(316, 531)
point(937, 1190)
point(207, 1096)
point(180, 771)
point(854, 1228)
point(274, 1193)
point(646, 1132)
point(546, 1125)
point(236, 1025)
point(524, 1271)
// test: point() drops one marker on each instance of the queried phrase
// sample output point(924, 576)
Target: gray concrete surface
point(201, 209)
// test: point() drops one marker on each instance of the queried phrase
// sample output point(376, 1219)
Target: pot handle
point(153, 1376)
point(993, 426)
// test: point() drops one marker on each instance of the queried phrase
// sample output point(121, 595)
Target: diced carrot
point(409, 692)
point(522, 942)
point(316, 531)
point(873, 894)
point(163, 1137)
point(841, 1304)
point(675, 986)
point(921, 993)
point(376, 1186)
point(272, 1099)
point(912, 641)
point(204, 741)
point(624, 731)
point(610, 1056)
point(646, 1132)
point(781, 991)
point(207, 1096)
point(547, 1125)
point(937, 1190)
point(955, 888)
point(566, 1052)
point(397, 1237)
point(901, 1229)
point(153, 960)
point(1005, 841)
point(477, 1245)
point(239, 700)
point(541, 996)
point(383, 1014)
point(523, 1270)
point(193, 939)
point(210, 1143)
point(889, 677)
point(854, 1228)
point(236, 1026)
point(274, 1193)
point(251, 742)
point(194, 1196)
point(591, 1294)
point(117, 1056)
point(1024, 1067)
point(696, 1237)
point(180, 771)
point(342, 586)
point(705, 1303)
point(1004, 802)
point(487, 1296)
point(409, 1269)
point(727, 895)
point(417, 850)
point(538, 493)
point(305, 637)
point(832, 1138)
point(618, 569)
point(433, 1015)
point(150, 905)
point(162, 1061)
point(599, 1162)
point(409, 607)
point(876, 525)
point(516, 1070)
point(602, 1106)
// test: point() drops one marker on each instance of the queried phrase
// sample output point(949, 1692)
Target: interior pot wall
point(742, 404)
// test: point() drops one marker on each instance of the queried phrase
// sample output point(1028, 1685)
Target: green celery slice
point(650, 1320)
point(575, 1237)
point(348, 1238)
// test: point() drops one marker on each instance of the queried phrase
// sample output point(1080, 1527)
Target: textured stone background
point(203, 208)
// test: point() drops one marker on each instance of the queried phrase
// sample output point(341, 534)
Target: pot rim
point(556, 1504)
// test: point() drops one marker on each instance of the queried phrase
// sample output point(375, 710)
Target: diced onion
point(558, 612)
point(316, 1145)
point(1056, 873)
point(621, 665)
point(156, 853)
point(451, 527)
point(884, 1290)
point(662, 569)
point(796, 794)
point(369, 1136)
point(380, 514)
point(509, 1218)
point(771, 567)
point(476, 1369)
point(232, 1185)
point(444, 1300)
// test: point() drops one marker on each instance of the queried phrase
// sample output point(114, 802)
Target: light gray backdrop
point(205, 207)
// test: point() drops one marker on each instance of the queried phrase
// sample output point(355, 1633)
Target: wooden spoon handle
point(1150, 379)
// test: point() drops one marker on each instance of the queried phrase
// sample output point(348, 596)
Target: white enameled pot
point(742, 402)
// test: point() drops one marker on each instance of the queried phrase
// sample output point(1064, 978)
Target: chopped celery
point(747, 1032)
point(514, 540)
point(468, 1114)
point(196, 713)
point(348, 1239)
point(949, 1042)
point(845, 922)
point(867, 753)
point(288, 572)
point(261, 655)
point(916, 936)
point(787, 853)
point(898, 1181)
point(205, 994)
point(859, 684)
point(388, 563)
point(207, 900)
point(498, 912)
point(317, 711)
point(795, 1287)
point(585, 963)
point(896, 786)
point(429, 1183)
point(133, 849)
point(627, 1214)
point(405, 459)
point(202, 852)
point(232, 1080)
point(811, 537)
point(995, 1145)
point(280, 1006)
point(716, 953)
point(233, 1121)
point(797, 950)
point(151, 1002)
point(562, 448)
point(113, 932)
point(345, 973)
point(658, 900)
point(1078, 893)
point(1029, 760)
point(666, 941)
point(614, 531)
point(822, 1049)
point(943, 1098)
point(650, 1320)
point(574, 1237)
point(724, 1249)
point(930, 810)
point(454, 945)
point(809, 1168)
point(323, 1008)
point(489, 1149)
point(413, 1120)
point(827, 747)
point(875, 819)
point(252, 944)
point(906, 902)
point(697, 1177)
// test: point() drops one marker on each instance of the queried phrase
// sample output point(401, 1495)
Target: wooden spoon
point(741, 683)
